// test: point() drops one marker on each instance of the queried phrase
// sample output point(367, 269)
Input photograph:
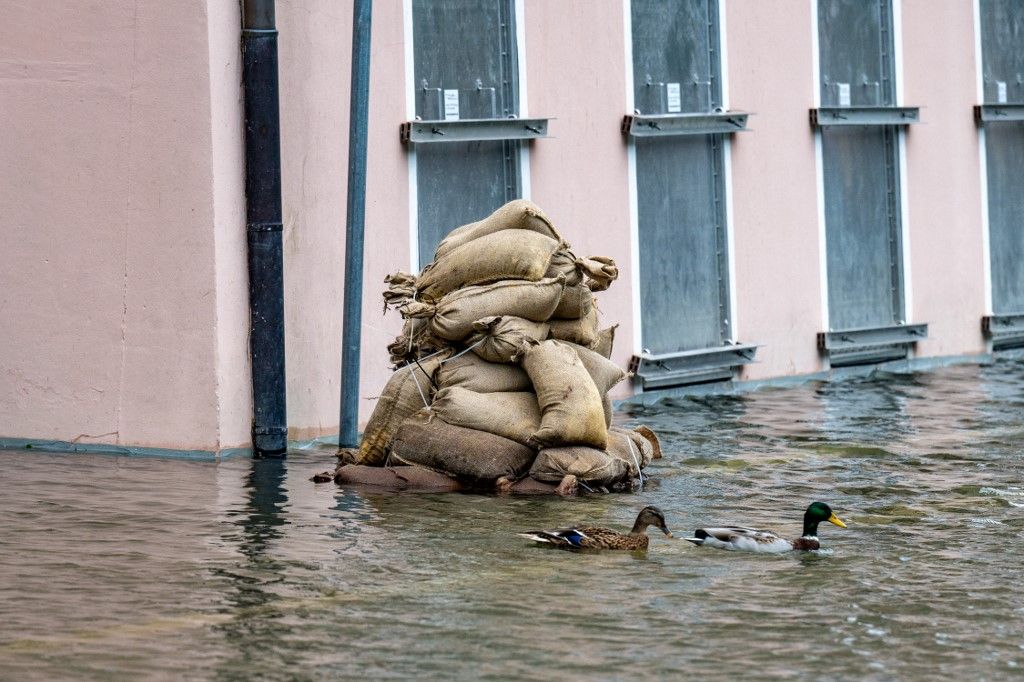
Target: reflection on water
point(245, 569)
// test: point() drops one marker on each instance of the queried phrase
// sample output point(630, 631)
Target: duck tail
point(536, 536)
point(696, 541)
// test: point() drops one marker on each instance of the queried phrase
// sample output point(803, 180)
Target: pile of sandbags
point(502, 369)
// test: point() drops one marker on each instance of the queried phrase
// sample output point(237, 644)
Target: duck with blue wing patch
point(594, 537)
point(755, 540)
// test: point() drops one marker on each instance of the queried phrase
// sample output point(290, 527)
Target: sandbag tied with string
point(410, 389)
point(503, 374)
point(505, 255)
point(453, 316)
point(498, 338)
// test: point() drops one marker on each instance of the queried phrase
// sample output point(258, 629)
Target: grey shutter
point(1002, 40)
point(468, 46)
point(680, 186)
point(860, 167)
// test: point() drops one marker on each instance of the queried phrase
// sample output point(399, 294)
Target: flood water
point(158, 568)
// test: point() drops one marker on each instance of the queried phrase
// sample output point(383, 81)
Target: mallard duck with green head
point(595, 537)
point(755, 540)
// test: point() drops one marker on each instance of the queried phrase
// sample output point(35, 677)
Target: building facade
point(787, 186)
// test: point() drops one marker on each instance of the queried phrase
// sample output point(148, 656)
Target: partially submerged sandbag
point(515, 416)
point(509, 254)
point(518, 214)
point(473, 456)
point(569, 401)
point(630, 447)
point(498, 339)
point(452, 318)
point(407, 391)
point(400, 478)
point(473, 373)
point(652, 438)
point(595, 467)
point(582, 331)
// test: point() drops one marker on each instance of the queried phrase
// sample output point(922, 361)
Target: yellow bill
point(835, 519)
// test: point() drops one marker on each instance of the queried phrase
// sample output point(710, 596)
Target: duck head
point(650, 516)
point(815, 514)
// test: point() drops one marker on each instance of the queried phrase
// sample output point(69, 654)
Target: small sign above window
point(451, 105)
point(844, 94)
point(674, 97)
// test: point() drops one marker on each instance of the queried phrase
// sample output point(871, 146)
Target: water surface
point(114, 566)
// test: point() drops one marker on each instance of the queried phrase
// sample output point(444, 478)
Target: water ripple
point(238, 570)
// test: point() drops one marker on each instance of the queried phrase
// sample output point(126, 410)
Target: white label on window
point(844, 94)
point(675, 100)
point(451, 105)
point(1001, 92)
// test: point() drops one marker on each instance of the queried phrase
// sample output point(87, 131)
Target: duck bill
point(835, 519)
point(666, 531)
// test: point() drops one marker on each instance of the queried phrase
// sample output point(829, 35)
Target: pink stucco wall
point(943, 190)
point(124, 303)
point(774, 196)
point(108, 305)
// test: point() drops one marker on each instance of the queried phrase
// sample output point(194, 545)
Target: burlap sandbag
point(498, 339)
point(652, 438)
point(630, 447)
point(473, 373)
point(608, 409)
point(596, 272)
point(509, 254)
point(600, 271)
point(593, 466)
point(569, 401)
point(576, 302)
point(515, 416)
point(605, 342)
point(475, 457)
point(453, 317)
point(401, 289)
point(563, 262)
point(407, 391)
point(519, 214)
point(582, 331)
point(398, 479)
point(417, 340)
point(605, 373)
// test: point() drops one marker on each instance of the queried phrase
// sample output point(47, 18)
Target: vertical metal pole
point(352, 318)
point(263, 227)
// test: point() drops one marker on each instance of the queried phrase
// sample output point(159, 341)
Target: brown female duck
point(593, 537)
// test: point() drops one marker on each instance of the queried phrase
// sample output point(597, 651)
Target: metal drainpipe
point(356, 214)
point(264, 227)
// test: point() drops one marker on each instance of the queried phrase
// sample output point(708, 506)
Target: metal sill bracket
point(992, 113)
point(864, 116)
point(690, 367)
point(871, 345)
point(473, 130)
point(685, 124)
point(1005, 331)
